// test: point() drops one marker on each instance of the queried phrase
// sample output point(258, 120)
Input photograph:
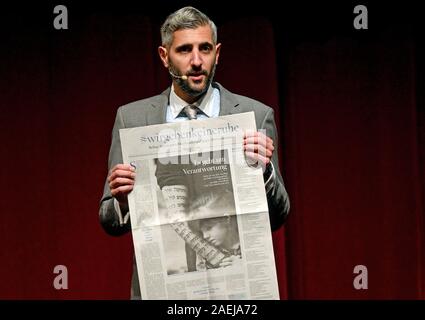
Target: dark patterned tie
point(191, 111)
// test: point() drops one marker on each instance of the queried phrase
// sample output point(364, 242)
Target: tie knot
point(191, 111)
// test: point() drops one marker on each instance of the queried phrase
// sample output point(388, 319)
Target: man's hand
point(121, 181)
point(258, 148)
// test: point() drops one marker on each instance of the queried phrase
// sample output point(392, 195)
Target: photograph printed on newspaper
point(199, 211)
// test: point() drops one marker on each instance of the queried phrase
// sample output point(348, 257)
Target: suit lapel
point(228, 103)
point(158, 111)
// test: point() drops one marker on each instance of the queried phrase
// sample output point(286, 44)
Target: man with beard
point(190, 53)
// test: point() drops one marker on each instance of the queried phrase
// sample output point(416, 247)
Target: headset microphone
point(178, 77)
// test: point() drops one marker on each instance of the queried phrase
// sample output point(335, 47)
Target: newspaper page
point(199, 212)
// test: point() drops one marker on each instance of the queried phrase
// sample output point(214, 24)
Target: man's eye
point(184, 49)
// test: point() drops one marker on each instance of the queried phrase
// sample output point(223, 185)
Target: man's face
point(192, 53)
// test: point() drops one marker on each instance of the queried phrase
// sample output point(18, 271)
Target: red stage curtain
point(351, 142)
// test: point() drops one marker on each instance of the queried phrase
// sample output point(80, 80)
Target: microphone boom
point(177, 77)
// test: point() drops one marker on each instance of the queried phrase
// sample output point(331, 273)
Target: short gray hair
point(185, 18)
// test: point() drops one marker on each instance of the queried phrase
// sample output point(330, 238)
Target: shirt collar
point(177, 104)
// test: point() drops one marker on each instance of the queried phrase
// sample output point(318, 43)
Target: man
point(190, 52)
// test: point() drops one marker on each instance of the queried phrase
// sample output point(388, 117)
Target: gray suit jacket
point(153, 111)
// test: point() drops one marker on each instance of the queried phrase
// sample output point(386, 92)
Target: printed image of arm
point(176, 197)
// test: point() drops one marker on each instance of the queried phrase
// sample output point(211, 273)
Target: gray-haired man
point(190, 53)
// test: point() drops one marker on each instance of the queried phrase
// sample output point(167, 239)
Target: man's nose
point(196, 58)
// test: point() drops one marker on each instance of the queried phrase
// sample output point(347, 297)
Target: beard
point(185, 84)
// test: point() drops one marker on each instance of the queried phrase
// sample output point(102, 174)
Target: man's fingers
point(257, 148)
point(268, 143)
point(124, 174)
point(120, 182)
point(120, 173)
point(255, 140)
point(121, 190)
point(259, 135)
point(122, 166)
point(255, 158)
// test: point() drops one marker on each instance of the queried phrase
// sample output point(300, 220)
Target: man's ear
point(217, 52)
point(163, 54)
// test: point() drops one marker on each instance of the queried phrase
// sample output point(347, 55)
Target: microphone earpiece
point(178, 77)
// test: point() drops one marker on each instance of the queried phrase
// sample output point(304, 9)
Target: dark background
point(349, 108)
